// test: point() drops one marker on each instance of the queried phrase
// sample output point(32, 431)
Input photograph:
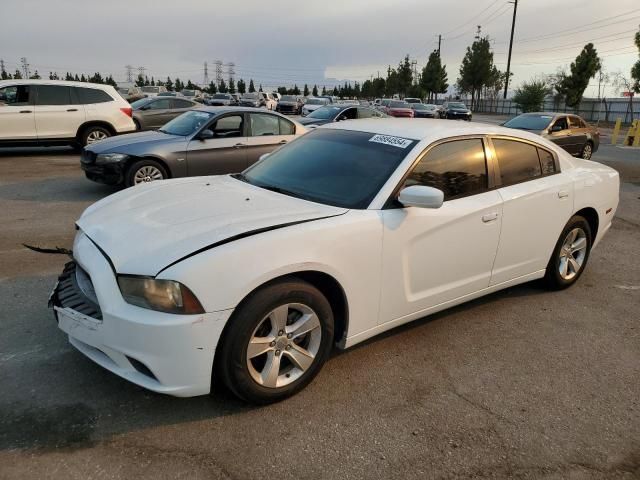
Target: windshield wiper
point(242, 177)
point(283, 191)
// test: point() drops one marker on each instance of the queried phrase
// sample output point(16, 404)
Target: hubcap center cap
point(281, 343)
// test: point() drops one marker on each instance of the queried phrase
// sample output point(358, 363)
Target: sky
point(282, 42)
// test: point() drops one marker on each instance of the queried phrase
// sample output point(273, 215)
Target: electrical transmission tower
point(414, 64)
point(141, 71)
point(206, 74)
point(1, 65)
point(218, 64)
point(25, 67)
point(129, 73)
point(231, 71)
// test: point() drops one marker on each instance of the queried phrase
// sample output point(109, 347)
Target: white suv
point(50, 112)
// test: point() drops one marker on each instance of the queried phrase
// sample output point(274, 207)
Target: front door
point(57, 114)
point(560, 134)
point(17, 113)
point(225, 153)
point(432, 256)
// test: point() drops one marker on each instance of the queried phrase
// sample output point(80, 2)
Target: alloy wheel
point(572, 253)
point(95, 136)
point(146, 174)
point(284, 345)
point(587, 151)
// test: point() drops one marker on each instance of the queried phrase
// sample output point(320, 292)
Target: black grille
point(68, 293)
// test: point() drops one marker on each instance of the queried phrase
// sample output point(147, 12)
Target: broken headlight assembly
point(165, 296)
point(105, 158)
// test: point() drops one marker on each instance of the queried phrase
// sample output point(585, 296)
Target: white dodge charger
point(348, 231)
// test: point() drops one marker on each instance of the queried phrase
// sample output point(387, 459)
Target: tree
point(242, 87)
point(314, 92)
point(530, 95)
point(168, 84)
point(178, 86)
point(96, 78)
point(110, 81)
point(222, 87)
point(140, 80)
point(622, 82)
point(212, 88)
point(434, 76)
point(252, 87)
point(404, 76)
point(232, 85)
point(476, 69)
point(3, 74)
point(17, 75)
point(324, 90)
point(635, 70)
point(153, 82)
point(68, 77)
point(305, 90)
point(260, 88)
point(583, 69)
point(191, 86)
point(83, 78)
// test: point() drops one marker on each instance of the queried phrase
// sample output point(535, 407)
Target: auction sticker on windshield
point(389, 140)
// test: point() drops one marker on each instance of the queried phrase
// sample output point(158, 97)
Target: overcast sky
point(284, 41)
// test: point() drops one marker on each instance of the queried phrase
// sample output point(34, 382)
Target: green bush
point(530, 96)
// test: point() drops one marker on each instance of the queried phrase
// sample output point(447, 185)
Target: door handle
point(25, 111)
point(490, 217)
point(563, 194)
point(72, 110)
point(239, 145)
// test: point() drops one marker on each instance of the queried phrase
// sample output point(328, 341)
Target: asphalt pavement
point(524, 383)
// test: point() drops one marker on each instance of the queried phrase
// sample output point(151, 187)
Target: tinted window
point(336, 167)
point(547, 162)
point(140, 103)
point(161, 104)
point(365, 113)
point(187, 123)
point(230, 126)
point(53, 95)
point(575, 122)
point(286, 127)
point(529, 122)
point(457, 168)
point(518, 161)
point(14, 95)
point(182, 104)
point(92, 95)
point(560, 124)
point(264, 125)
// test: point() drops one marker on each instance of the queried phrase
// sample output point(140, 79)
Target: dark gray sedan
point(203, 141)
point(568, 131)
point(153, 112)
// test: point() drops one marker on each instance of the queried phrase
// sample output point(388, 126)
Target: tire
point(587, 151)
point(562, 272)
point(137, 124)
point(144, 171)
point(256, 318)
point(93, 134)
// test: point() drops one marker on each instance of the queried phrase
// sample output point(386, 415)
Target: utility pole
point(2, 70)
point(206, 75)
point(513, 27)
point(478, 33)
point(415, 73)
point(25, 67)
point(439, 43)
point(129, 73)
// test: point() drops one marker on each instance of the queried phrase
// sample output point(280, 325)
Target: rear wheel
point(93, 134)
point(144, 171)
point(570, 255)
point(587, 151)
point(277, 342)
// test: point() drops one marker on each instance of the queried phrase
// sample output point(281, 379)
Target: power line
point(470, 20)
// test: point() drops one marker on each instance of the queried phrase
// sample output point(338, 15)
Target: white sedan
point(355, 228)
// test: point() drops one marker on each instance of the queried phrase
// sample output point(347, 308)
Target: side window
point(15, 95)
point(177, 103)
point(262, 124)
point(161, 104)
point(230, 126)
point(350, 113)
point(53, 95)
point(547, 162)
point(286, 127)
point(518, 161)
point(458, 168)
point(560, 124)
point(576, 122)
point(364, 113)
point(92, 95)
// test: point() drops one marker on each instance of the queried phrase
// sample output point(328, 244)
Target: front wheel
point(144, 171)
point(570, 255)
point(587, 151)
point(276, 343)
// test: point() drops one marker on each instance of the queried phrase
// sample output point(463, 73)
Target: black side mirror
point(206, 134)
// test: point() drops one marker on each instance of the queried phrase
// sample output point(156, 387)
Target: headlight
point(103, 158)
point(162, 295)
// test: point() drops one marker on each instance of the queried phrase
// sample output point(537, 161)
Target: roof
point(429, 130)
point(29, 81)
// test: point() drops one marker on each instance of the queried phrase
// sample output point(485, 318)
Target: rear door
point(266, 133)
point(579, 133)
point(57, 113)
point(158, 112)
point(537, 204)
point(17, 113)
point(225, 153)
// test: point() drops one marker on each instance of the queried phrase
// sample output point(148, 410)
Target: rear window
point(92, 95)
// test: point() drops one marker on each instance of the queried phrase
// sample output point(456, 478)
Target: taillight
point(128, 111)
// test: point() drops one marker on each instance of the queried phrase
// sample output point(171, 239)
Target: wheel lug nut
point(288, 347)
point(280, 333)
point(277, 352)
point(272, 344)
point(289, 335)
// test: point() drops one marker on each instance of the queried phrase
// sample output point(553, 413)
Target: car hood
point(313, 121)
point(112, 143)
point(146, 228)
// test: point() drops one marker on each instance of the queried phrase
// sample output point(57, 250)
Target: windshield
point(420, 106)
point(140, 103)
point(457, 105)
point(188, 93)
point(343, 168)
point(221, 96)
point(530, 122)
point(150, 89)
point(250, 96)
point(326, 112)
point(412, 100)
point(288, 98)
point(187, 123)
point(399, 105)
point(317, 101)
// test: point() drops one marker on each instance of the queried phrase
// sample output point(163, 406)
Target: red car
point(398, 108)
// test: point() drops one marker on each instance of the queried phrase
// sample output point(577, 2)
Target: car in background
point(277, 96)
point(131, 94)
point(221, 100)
point(336, 112)
point(412, 100)
point(194, 95)
point(153, 112)
point(422, 110)
point(236, 98)
point(56, 112)
point(353, 229)
point(290, 104)
point(152, 91)
point(397, 108)
point(254, 99)
point(202, 141)
point(313, 103)
point(169, 94)
point(270, 102)
point(568, 131)
point(455, 111)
